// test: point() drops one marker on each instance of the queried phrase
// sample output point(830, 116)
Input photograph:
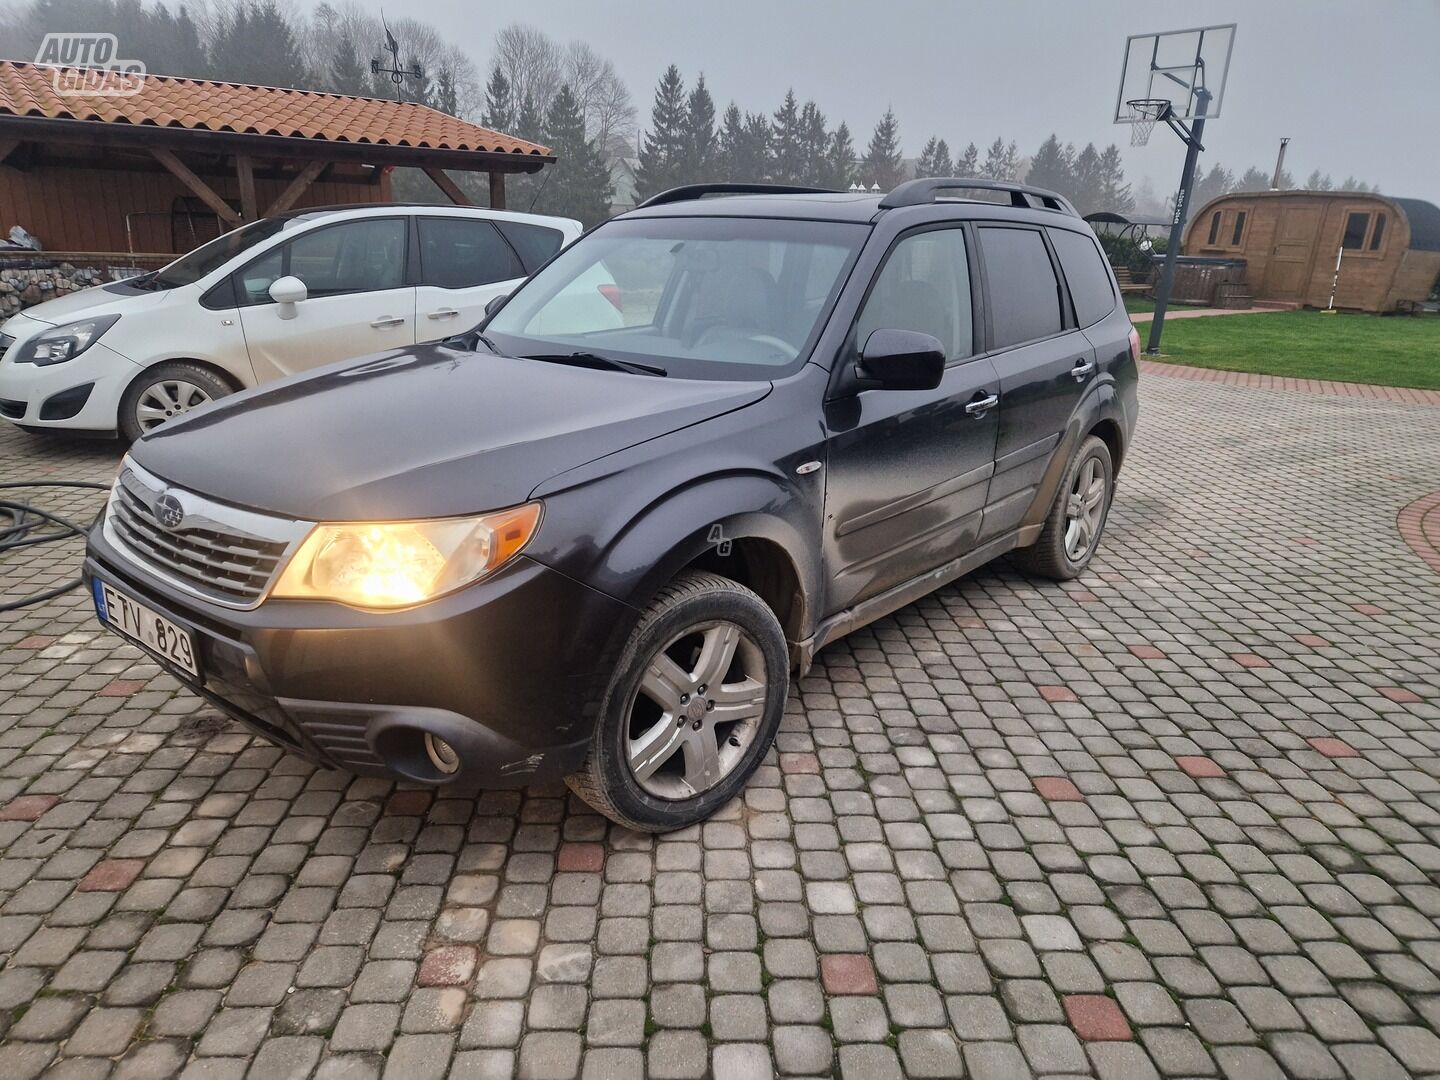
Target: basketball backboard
point(1176, 66)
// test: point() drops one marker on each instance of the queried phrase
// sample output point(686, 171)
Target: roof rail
point(920, 192)
point(687, 192)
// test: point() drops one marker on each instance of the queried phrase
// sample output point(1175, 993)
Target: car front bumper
point(25, 389)
point(510, 672)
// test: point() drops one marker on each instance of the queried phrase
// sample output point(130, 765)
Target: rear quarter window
point(534, 243)
point(1024, 296)
point(1086, 274)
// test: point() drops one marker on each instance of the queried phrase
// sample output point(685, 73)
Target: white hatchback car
point(270, 299)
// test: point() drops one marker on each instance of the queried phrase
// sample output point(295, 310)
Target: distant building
point(1290, 240)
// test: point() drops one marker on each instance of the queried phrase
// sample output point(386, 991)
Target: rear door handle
point(1082, 369)
point(387, 321)
point(981, 405)
point(443, 313)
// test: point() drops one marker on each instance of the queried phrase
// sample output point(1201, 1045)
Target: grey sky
point(1354, 86)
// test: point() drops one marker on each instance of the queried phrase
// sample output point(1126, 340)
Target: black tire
point(1048, 557)
point(688, 604)
point(130, 422)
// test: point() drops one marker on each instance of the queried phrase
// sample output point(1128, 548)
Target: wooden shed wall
point(1290, 241)
point(83, 209)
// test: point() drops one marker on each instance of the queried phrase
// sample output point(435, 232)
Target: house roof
point(165, 101)
point(1424, 218)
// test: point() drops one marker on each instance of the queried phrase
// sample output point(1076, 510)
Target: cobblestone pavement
point(1181, 817)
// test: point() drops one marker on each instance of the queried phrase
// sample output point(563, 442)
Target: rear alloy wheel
point(1077, 518)
point(167, 391)
point(692, 709)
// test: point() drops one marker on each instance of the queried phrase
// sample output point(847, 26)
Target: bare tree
point(603, 97)
point(533, 63)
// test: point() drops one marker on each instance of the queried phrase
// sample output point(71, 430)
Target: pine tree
point(994, 167)
point(499, 114)
point(814, 146)
point(446, 97)
point(188, 54)
point(1212, 185)
point(759, 137)
point(663, 155)
point(786, 163)
point(347, 74)
point(1052, 167)
point(1011, 164)
point(934, 159)
point(840, 159)
point(1114, 191)
point(1316, 182)
point(1088, 184)
point(968, 163)
point(579, 183)
point(258, 45)
point(1255, 179)
point(740, 156)
point(883, 163)
point(700, 136)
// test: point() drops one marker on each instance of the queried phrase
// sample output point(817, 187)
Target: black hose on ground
point(25, 525)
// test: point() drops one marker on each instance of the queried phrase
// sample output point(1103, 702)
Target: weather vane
point(397, 74)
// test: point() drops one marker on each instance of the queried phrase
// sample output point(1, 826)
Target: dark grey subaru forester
point(593, 538)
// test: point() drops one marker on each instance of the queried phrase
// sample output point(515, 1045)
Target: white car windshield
point(700, 297)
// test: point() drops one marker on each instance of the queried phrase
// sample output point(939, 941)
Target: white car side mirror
point(287, 292)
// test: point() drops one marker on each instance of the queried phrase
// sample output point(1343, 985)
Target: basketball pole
point(1193, 145)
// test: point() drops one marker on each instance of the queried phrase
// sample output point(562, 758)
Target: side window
point(924, 286)
point(459, 253)
point(1377, 235)
point(1355, 228)
point(1024, 295)
point(1214, 228)
point(535, 243)
point(1085, 273)
point(1239, 230)
point(252, 282)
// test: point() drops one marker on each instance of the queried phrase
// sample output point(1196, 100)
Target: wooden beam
point(7, 147)
point(497, 190)
point(202, 190)
point(448, 186)
point(245, 171)
point(291, 195)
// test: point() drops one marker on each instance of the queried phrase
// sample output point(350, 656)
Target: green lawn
point(1135, 303)
point(1385, 350)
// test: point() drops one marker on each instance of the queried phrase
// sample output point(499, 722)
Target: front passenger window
point(924, 286)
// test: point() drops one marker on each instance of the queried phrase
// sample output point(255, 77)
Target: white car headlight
point(62, 343)
point(389, 564)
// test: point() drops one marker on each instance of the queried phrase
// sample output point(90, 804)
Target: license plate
point(146, 627)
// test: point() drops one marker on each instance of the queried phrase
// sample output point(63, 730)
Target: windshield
point(190, 268)
point(701, 297)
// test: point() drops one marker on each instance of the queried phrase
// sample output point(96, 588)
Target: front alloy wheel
point(692, 708)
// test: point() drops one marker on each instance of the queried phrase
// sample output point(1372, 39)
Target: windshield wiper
point(595, 360)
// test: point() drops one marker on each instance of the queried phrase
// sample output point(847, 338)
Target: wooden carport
point(78, 170)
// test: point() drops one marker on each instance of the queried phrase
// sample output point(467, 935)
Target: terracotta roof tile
point(202, 105)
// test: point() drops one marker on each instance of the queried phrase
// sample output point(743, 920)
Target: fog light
point(442, 755)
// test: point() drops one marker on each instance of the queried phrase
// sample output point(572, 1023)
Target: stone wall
point(26, 288)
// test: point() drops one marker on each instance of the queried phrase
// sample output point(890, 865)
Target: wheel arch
point(227, 377)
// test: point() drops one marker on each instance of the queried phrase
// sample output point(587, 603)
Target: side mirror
point(495, 304)
point(901, 360)
point(287, 292)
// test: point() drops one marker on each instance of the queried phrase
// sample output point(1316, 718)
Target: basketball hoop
point(1145, 113)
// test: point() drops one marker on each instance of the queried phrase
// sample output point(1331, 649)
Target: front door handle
point(981, 405)
point(387, 321)
point(1082, 369)
point(443, 313)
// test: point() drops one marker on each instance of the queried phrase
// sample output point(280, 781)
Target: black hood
point(428, 432)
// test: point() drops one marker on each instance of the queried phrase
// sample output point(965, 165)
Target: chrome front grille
point(218, 552)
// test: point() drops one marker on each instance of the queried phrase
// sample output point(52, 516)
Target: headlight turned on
point(391, 564)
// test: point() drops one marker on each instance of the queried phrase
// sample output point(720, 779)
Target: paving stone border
point(1253, 381)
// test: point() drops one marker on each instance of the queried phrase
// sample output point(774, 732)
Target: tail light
point(1134, 344)
point(611, 292)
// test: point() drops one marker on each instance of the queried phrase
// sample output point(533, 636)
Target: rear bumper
point(510, 672)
